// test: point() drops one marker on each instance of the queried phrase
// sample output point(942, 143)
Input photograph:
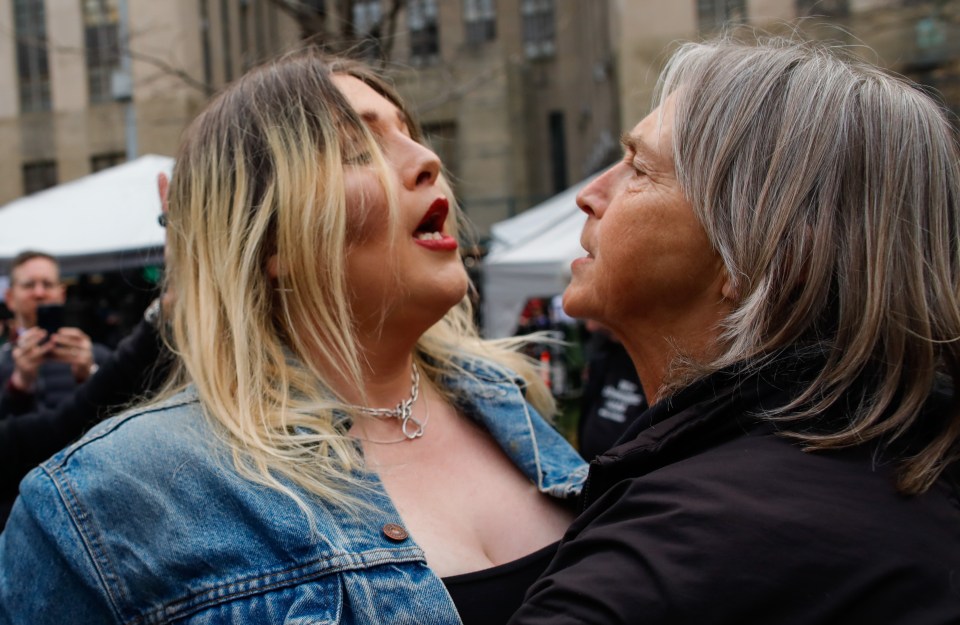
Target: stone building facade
point(917, 38)
point(521, 98)
point(518, 96)
point(67, 108)
point(521, 106)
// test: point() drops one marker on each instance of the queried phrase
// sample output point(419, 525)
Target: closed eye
point(359, 158)
point(637, 168)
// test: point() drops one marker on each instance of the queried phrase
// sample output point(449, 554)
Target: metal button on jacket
point(395, 532)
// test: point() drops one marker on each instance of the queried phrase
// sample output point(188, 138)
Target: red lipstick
point(429, 232)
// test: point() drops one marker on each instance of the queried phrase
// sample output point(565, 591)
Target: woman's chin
point(437, 301)
point(575, 305)
point(451, 295)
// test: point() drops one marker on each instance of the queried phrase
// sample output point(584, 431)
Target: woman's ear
point(163, 187)
point(728, 288)
point(273, 267)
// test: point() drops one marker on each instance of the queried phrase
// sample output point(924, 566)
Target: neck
point(386, 383)
point(386, 366)
point(389, 405)
point(653, 352)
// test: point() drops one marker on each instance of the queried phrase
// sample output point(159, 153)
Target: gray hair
point(830, 189)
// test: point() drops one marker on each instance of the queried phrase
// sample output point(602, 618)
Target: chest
point(470, 508)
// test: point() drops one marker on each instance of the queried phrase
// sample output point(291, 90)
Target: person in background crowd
point(337, 444)
point(534, 317)
point(37, 373)
point(6, 324)
point(779, 251)
point(612, 395)
point(136, 368)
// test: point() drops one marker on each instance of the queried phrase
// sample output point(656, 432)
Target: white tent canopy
point(104, 221)
point(530, 257)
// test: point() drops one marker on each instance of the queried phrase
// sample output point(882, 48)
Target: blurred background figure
point(6, 323)
point(37, 373)
point(134, 370)
point(612, 395)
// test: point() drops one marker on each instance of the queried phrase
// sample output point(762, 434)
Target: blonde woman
point(339, 445)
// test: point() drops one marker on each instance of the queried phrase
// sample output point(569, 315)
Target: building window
point(823, 8)
point(317, 6)
point(367, 15)
point(538, 28)
point(480, 21)
point(244, 17)
point(225, 40)
point(99, 162)
point(558, 151)
point(39, 176)
point(204, 8)
point(424, 31)
point(33, 68)
point(259, 27)
point(715, 14)
point(101, 28)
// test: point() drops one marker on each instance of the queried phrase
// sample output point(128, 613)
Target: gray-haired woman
point(779, 250)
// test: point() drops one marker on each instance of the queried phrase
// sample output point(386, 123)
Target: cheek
point(366, 205)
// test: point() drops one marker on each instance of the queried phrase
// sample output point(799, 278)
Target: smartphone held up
point(50, 317)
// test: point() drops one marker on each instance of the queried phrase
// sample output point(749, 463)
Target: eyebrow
point(635, 145)
point(371, 117)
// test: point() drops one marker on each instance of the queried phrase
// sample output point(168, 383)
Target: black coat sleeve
point(700, 542)
point(138, 366)
point(12, 402)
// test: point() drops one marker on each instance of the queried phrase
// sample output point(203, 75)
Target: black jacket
point(139, 365)
point(709, 516)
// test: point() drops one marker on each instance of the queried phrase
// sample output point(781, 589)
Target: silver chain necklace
point(411, 426)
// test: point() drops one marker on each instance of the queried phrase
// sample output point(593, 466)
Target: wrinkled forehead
point(652, 138)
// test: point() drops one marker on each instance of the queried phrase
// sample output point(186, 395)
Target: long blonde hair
point(260, 174)
point(830, 189)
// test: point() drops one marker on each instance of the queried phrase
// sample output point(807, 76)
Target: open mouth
point(430, 227)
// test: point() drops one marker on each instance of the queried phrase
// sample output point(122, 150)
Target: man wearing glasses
point(40, 368)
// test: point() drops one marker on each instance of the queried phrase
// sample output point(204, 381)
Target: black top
point(709, 516)
point(491, 596)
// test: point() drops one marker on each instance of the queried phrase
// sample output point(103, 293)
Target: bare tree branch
point(156, 62)
point(317, 28)
point(167, 68)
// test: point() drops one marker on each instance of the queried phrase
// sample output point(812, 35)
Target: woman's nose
point(592, 198)
point(423, 166)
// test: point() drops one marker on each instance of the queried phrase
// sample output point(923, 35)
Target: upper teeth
point(429, 236)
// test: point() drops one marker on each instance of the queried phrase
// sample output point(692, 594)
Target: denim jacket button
point(395, 532)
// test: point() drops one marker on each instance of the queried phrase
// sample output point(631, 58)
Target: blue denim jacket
point(145, 520)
